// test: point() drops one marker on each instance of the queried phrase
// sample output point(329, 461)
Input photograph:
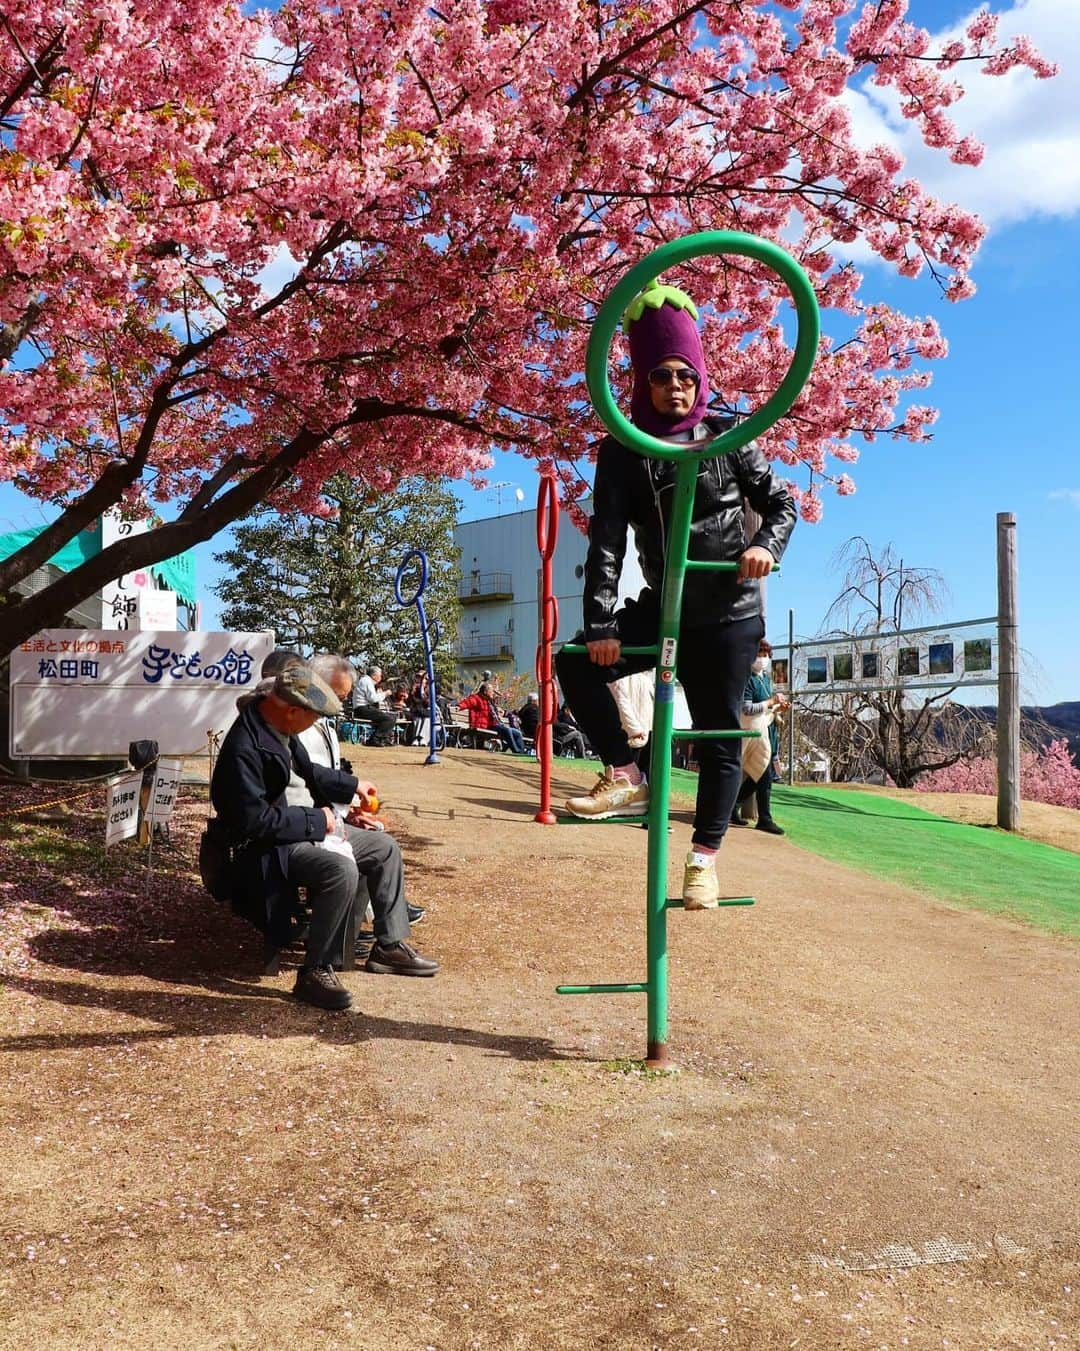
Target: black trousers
point(712, 664)
point(383, 722)
point(762, 790)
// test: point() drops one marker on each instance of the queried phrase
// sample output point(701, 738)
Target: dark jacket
point(633, 491)
point(529, 719)
point(248, 793)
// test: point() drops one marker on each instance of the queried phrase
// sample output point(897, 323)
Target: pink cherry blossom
point(241, 251)
point(1047, 775)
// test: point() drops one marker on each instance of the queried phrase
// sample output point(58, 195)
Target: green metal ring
point(671, 255)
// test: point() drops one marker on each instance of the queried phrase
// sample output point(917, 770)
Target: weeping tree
point(900, 733)
point(325, 582)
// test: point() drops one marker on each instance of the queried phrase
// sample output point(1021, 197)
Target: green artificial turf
point(968, 865)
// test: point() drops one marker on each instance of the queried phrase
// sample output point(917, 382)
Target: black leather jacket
point(631, 490)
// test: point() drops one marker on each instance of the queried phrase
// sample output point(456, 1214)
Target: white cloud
point(1066, 495)
point(1030, 127)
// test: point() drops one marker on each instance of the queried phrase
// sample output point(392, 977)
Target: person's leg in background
point(382, 722)
point(568, 741)
point(763, 792)
point(511, 738)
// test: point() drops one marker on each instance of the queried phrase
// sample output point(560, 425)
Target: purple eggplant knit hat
point(660, 322)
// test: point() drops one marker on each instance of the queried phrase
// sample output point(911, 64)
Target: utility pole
point(1008, 711)
point(791, 693)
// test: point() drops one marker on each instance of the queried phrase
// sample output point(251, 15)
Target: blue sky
point(1005, 440)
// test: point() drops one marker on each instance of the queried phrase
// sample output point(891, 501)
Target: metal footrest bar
point(634, 987)
point(677, 902)
point(692, 734)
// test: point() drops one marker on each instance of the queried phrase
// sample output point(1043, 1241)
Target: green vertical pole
point(660, 767)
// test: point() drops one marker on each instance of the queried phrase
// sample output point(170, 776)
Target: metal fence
point(485, 584)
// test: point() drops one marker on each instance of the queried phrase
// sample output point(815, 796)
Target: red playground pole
point(547, 532)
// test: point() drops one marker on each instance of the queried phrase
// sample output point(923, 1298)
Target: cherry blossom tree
point(1047, 774)
point(242, 252)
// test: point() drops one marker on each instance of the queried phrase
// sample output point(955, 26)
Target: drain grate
point(934, 1252)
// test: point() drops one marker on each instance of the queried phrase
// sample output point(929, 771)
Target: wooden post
point(791, 696)
point(1008, 712)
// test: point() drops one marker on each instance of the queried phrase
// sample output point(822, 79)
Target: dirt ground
point(872, 1141)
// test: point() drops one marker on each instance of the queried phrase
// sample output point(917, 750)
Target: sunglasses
point(665, 375)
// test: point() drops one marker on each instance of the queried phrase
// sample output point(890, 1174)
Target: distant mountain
point(1058, 720)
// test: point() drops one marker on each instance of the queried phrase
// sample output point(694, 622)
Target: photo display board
point(86, 693)
point(921, 658)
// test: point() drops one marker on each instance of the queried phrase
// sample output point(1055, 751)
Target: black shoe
point(416, 913)
point(737, 820)
point(399, 959)
point(770, 827)
point(319, 986)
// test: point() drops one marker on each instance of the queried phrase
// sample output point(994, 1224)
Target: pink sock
point(703, 849)
point(629, 772)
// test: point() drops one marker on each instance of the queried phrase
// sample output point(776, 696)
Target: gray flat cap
point(300, 685)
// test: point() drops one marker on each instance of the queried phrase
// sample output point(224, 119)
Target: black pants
point(713, 665)
point(383, 722)
point(762, 790)
point(567, 740)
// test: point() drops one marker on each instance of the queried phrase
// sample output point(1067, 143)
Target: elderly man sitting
point(322, 745)
point(283, 846)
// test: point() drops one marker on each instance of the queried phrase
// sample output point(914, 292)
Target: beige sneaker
point(701, 886)
point(611, 797)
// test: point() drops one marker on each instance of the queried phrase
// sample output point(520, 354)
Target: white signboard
point(921, 659)
point(155, 609)
point(86, 693)
point(167, 775)
point(119, 599)
point(122, 808)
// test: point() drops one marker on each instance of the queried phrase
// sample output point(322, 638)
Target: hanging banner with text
point(85, 693)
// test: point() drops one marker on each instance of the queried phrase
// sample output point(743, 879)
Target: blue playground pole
point(429, 635)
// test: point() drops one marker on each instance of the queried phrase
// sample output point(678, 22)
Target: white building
point(500, 591)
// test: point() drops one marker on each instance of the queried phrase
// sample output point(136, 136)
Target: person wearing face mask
point(721, 620)
point(759, 698)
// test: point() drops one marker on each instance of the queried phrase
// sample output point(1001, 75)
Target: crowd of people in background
point(397, 711)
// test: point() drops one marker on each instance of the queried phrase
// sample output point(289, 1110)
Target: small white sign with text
point(122, 807)
point(167, 776)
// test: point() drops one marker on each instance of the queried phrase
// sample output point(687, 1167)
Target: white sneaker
point(611, 796)
point(701, 886)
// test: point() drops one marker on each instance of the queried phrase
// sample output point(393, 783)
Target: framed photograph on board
point(941, 659)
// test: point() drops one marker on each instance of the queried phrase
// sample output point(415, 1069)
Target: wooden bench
point(470, 738)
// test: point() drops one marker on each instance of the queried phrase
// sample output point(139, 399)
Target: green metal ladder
point(676, 566)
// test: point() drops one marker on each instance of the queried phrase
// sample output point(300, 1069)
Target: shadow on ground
point(227, 1008)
